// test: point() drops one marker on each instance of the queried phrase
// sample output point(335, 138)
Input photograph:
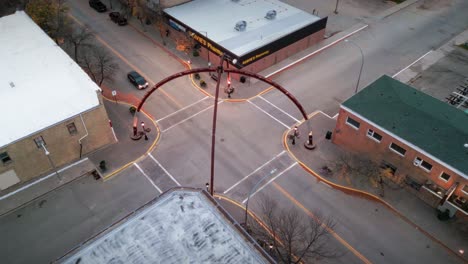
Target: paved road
point(248, 140)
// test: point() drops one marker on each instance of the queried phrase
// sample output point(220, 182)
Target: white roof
point(180, 227)
point(218, 18)
point(40, 85)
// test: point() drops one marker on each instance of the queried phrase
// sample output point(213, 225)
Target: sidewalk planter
point(102, 165)
point(196, 76)
point(132, 110)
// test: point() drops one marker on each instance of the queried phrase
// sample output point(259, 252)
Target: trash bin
point(328, 135)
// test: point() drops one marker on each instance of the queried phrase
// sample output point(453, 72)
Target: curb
point(365, 195)
point(153, 145)
point(395, 9)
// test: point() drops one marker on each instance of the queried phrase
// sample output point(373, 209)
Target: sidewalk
point(400, 200)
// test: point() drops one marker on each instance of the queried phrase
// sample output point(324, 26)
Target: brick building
point(53, 112)
point(419, 139)
point(257, 34)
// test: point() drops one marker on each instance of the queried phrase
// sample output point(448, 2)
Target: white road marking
point(41, 179)
point(159, 164)
point(182, 109)
point(284, 112)
point(315, 52)
point(178, 123)
point(270, 181)
point(268, 114)
point(335, 116)
point(420, 58)
point(147, 177)
point(257, 169)
point(323, 113)
point(326, 184)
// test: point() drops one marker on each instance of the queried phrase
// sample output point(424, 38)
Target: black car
point(118, 18)
point(98, 6)
point(137, 80)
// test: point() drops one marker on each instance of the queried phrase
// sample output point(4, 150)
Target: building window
point(5, 158)
point(399, 150)
point(445, 177)
point(353, 123)
point(374, 135)
point(422, 164)
point(426, 165)
point(465, 189)
point(72, 129)
point(39, 142)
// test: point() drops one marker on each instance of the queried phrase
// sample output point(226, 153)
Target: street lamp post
point(336, 7)
point(362, 63)
point(250, 195)
point(47, 153)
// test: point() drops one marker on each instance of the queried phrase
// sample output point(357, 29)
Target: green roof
point(430, 124)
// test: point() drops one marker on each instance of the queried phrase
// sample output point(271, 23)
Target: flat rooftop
point(40, 85)
point(217, 18)
point(181, 226)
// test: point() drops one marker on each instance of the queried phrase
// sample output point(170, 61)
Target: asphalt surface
point(249, 143)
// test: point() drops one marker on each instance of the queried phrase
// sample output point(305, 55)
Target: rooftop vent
point(241, 25)
point(12, 84)
point(270, 14)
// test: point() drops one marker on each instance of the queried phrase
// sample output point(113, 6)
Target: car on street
point(136, 79)
point(118, 18)
point(98, 6)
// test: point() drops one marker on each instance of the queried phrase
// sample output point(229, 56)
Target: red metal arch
point(241, 72)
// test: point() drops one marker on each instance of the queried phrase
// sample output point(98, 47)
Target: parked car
point(118, 18)
point(136, 79)
point(98, 6)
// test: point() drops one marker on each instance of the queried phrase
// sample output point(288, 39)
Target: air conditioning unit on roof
point(270, 14)
point(241, 25)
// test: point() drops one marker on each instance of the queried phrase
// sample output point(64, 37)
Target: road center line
point(420, 58)
point(270, 181)
point(284, 112)
point(126, 61)
point(257, 169)
point(274, 118)
point(331, 231)
point(182, 109)
point(147, 177)
point(165, 171)
point(178, 123)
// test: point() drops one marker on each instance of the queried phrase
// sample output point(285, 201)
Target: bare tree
point(361, 167)
point(51, 16)
point(291, 236)
point(98, 63)
point(78, 37)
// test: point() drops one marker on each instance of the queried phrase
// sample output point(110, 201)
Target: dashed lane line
point(274, 118)
point(270, 181)
point(257, 169)
point(168, 174)
point(182, 109)
point(147, 177)
point(284, 112)
point(178, 123)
